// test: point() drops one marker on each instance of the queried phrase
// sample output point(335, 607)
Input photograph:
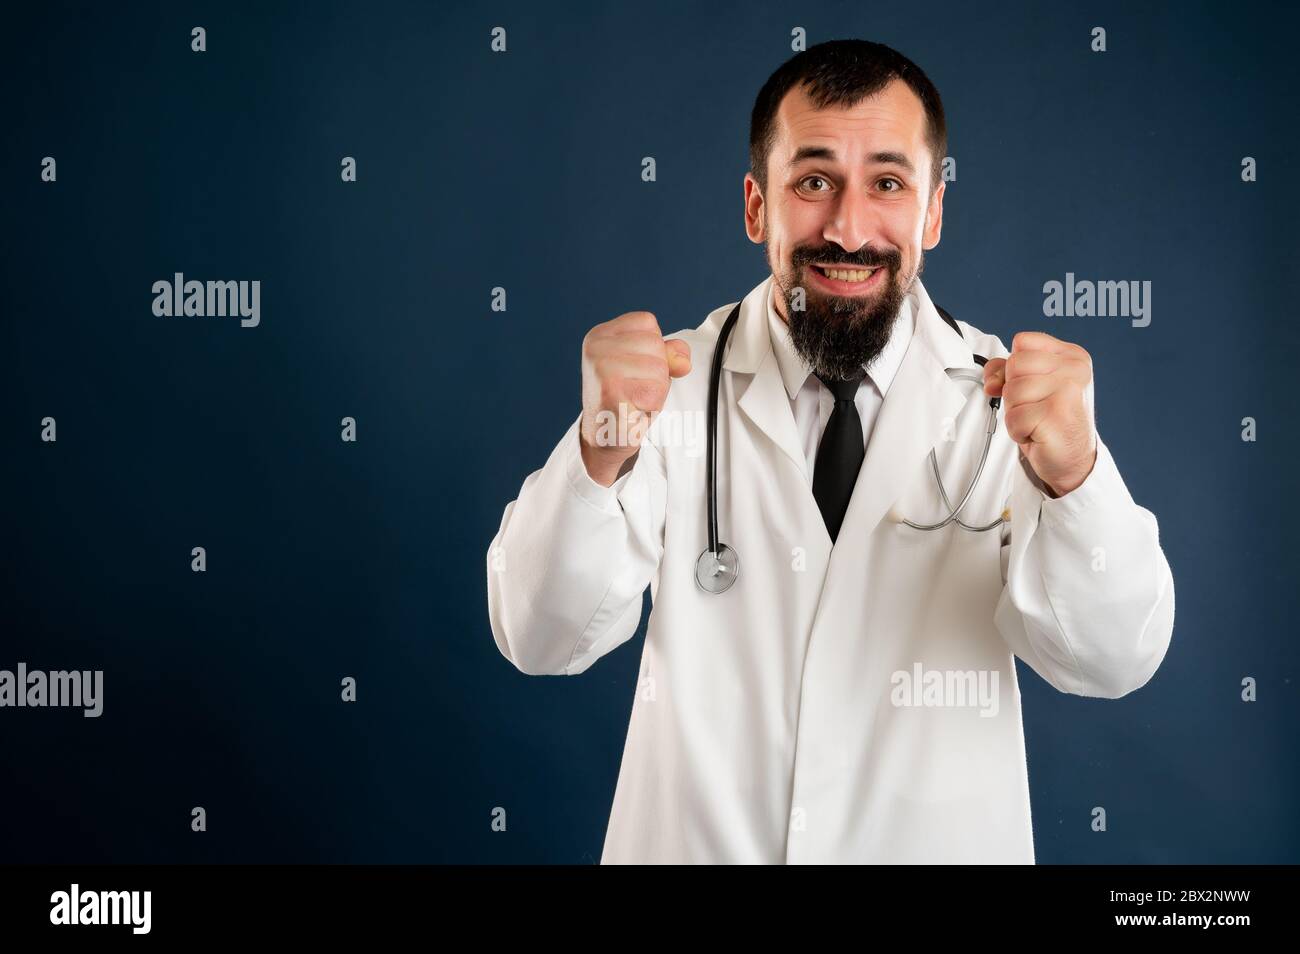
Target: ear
point(933, 219)
point(755, 211)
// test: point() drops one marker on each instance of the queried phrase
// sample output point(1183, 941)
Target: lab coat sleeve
point(1088, 596)
point(568, 568)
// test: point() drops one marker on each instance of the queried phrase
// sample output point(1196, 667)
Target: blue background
point(522, 170)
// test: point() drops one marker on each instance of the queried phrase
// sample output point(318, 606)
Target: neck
point(778, 302)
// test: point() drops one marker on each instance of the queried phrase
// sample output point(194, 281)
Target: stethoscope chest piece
point(715, 572)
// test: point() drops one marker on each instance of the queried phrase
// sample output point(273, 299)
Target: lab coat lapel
point(920, 401)
point(763, 399)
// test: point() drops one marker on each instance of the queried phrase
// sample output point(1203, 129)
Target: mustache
point(864, 258)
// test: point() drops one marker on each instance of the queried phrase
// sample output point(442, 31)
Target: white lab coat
point(771, 723)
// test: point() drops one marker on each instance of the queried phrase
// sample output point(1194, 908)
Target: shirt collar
point(794, 372)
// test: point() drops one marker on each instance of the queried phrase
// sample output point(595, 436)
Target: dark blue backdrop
point(522, 170)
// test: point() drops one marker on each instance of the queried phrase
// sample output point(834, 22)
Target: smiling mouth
point(845, 274)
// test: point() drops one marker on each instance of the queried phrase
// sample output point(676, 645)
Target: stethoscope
point(718, 566)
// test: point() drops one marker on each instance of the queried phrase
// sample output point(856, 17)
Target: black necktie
point(839, 454)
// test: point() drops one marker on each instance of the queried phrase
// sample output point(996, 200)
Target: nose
point(854, 222)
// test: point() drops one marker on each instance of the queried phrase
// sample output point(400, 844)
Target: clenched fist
point(627, 367)
point(1046, 388)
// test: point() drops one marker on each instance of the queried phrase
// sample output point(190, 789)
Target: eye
point(821, 179)
point(898, 184)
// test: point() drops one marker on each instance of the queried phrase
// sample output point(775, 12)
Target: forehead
point(890, 120)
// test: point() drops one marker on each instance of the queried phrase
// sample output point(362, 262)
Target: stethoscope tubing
point(711, 442)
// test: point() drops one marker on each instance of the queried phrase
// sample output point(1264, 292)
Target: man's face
point(847, 189)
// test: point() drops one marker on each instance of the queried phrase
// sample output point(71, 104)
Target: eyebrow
point(876, 158)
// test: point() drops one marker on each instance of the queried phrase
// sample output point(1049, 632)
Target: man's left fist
point(1046, 388)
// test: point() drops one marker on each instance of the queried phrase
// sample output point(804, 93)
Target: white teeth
point(845, 275)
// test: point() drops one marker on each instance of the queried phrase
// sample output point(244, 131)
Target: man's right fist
point(627, 367)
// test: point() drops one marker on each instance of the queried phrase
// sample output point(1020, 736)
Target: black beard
point(837, 335)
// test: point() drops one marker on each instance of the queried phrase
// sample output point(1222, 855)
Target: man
point(852, 697)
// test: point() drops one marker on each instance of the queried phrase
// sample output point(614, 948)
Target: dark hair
point(843, 73)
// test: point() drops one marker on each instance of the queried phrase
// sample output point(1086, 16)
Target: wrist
point(1059, 490)
point(605, 465)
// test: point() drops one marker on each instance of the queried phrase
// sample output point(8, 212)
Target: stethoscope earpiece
point(965, 374)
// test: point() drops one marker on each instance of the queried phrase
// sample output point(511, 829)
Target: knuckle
point(645, 342)
point(638, 319)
